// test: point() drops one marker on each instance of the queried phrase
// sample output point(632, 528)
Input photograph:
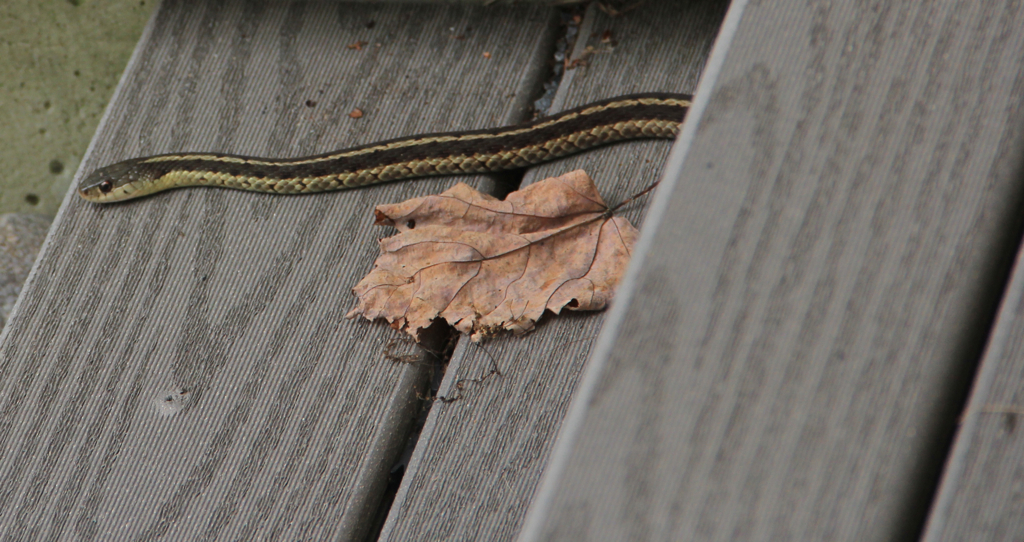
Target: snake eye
point(106, 186)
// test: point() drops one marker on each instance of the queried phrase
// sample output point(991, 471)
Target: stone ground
point(62, 61)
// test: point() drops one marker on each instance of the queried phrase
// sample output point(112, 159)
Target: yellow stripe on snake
point(638, 116)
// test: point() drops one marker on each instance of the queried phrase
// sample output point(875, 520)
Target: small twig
point(391, 356)
point(460, 384)
point(494, 362)
point(1008, 410)
point(583, 59)
point(1003, 409)
point(612, 11)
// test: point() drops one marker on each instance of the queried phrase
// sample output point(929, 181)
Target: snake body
point(653, 115)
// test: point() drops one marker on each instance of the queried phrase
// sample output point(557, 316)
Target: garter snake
point(652, 115)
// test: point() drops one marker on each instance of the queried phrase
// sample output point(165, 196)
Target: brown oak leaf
point(485, 265)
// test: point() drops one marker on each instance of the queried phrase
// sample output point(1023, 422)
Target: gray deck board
point(786, 359)
point(789, 352)
point(478, 459)
point(980, 496)
point(179, 367)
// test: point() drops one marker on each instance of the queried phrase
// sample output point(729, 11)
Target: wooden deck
point(822, 274)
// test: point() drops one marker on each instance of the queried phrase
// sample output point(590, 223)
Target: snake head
point(120, 181)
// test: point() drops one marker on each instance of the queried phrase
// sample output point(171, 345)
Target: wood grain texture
point(980, 496)
point(798, 337)
point(478, 459)
point(179, 367)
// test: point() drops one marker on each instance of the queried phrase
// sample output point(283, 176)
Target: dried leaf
point(485, 265)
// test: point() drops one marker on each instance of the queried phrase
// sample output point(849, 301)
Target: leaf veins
point(486, 265)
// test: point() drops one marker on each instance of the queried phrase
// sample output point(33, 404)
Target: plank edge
point(536, 516)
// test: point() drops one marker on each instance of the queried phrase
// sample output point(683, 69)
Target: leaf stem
point(635, 196)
